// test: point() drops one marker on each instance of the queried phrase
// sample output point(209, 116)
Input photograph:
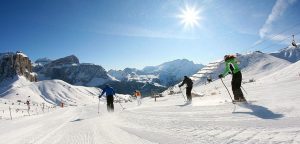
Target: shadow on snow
point(260, 111)
point(77, 120)
point(182, 105)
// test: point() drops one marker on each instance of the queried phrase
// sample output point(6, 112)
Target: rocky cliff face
point(12, 64)
point(70, 70)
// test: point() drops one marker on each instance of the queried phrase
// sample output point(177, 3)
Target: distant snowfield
point(272, 116)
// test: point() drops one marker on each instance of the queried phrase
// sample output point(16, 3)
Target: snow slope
point(51, 91)
point(290, 53)
point(272, 116)
point(289, 73)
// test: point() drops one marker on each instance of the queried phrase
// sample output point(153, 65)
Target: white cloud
point(277, 11)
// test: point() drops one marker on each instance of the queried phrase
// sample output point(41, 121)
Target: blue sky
point(136, 33)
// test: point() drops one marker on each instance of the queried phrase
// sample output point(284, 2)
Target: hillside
point(253, 65)
point(50, 91)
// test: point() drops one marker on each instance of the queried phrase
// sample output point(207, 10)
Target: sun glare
point(190, 17)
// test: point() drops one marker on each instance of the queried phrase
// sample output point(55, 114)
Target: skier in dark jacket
point(232, 68)
point(189, 87)
point(109, 92)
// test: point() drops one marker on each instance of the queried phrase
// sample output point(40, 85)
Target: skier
point(209, 80)
point(28, 103)
point(189, 87)
point(138, 97)
point(231, 67)
point(109, 92)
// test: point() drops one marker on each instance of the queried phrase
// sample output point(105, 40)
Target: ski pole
point(121, 106)
point(99, 106)
point(119, 99)
point(182, 94)
point(244, 89)
point(227, 89)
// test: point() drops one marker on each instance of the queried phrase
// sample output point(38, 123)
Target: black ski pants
point(189, 93)
point(236, 86)
point(110, 103)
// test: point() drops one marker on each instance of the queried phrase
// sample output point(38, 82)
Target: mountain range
point(70, 70)
point(166, 74)
point(151, 79)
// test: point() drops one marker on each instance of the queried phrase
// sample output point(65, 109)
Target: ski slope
point(47, 91)
point(272, 116)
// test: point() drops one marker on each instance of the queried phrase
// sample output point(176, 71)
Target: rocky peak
point(68, 60)
point(12, 64)
point(70, 70)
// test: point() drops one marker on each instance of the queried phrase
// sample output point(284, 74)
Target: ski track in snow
point(146, 125)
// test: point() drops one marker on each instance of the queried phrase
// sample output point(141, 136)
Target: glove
point(220, 76)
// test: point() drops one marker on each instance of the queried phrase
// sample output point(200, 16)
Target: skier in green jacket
point(232, 68)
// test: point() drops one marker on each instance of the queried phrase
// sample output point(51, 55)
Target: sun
point(190, 17)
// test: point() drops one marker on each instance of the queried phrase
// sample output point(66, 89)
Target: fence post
point(10, 113)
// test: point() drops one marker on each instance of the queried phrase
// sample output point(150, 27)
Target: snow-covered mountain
point(127, 74)
point(70, 70)
point(166, 74)
point(43, 61)
point(290, 53)
point(50, 91)
point(18, 82)
point(289, 73)
point(253, 66)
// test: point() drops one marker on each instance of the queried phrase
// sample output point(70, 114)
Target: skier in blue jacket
point(109, 92)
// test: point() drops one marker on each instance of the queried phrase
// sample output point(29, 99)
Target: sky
point(136, 33)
